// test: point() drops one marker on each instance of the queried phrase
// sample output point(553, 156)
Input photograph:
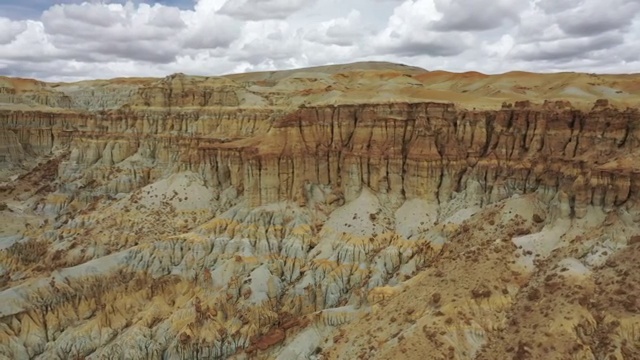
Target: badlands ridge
point(361, 211)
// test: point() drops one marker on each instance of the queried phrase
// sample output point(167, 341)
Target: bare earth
point(358, 211)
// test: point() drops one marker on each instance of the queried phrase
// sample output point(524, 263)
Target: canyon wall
point(405, 150)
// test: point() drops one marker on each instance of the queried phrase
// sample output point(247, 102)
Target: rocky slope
point(371, 211)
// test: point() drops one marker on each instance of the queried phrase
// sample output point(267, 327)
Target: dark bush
point(28, 252)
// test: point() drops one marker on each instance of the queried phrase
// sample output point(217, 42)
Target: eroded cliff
point(361, 211)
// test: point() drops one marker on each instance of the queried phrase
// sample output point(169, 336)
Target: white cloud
point(474, 15)
point(410, 32)
point(561, 33)
point(10, 29)
point(567, 48)
point(263, 9)
point(112, 38)
point(590, 17)
point(344, 31)
point(272, 40)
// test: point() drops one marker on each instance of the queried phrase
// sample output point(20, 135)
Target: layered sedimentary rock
point(338, 212)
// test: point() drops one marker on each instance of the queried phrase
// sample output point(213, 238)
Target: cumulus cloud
point(76, 39)
point(473, 15)
point(568, 48)
point(267, 41)
point(590, 17)
point(583, 18)
point(10, 29)
point(343, 31)
point(410, 32)
point(263, 9)
point(99, 32)
point(575, 31)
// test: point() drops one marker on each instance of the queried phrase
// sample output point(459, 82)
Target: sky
point(68, 40)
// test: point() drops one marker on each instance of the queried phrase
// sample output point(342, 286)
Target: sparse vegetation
point(28, 252)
